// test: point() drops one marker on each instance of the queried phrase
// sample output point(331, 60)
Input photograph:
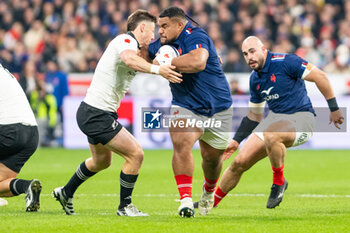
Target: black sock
point(18, 186)
point(81, 174)
point(127, 183)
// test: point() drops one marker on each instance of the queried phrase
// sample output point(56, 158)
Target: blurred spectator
point(45, 110)
point(235, 62)
point(27, 78)
point(341, 62)
point(307, 50)
point(234, 87)
point(76, 32)
point(56, 80)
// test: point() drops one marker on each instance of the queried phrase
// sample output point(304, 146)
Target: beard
point(260, 65)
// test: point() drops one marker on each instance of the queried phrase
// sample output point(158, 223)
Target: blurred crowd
point(41, 41)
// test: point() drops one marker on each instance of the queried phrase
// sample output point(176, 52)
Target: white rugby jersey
point(14, 106)
point(112, 76)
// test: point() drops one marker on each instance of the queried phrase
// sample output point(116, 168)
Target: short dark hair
point(138, 16)
point(172, 12)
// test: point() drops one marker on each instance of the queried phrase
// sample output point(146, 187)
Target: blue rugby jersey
point(280, 84)
point(206, 92)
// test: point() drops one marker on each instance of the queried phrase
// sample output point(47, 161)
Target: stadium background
point(37, 35)
point(58, 44)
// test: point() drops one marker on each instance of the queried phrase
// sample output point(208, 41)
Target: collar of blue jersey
point(133, 36)
point(265, 69)
point(182, 35)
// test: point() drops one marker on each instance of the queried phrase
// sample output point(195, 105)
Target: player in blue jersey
point(277, 79)
point(203, 94)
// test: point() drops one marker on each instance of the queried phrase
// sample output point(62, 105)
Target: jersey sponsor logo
point(188, 30)
point(127, 41)
point(267, 92)
point(269, 97)
point(273, 78)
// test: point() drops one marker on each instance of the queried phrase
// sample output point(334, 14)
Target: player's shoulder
point(124, 40)
point(191, 32)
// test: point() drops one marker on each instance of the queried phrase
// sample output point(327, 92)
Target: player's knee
point(137, 155)
point(181, 147)
point(270, 138)
point(239, 165)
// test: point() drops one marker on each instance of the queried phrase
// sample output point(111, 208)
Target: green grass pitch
point(317, 199)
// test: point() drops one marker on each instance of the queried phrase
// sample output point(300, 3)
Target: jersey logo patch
point(304, 65)
point(197, 46)
point(267, 92)
point(188, 30)
point(273, 78)
point(180, 51)
point(258, 87)
point(127, 41)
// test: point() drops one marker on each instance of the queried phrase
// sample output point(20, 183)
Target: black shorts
point(98, 125)
point(17, 143)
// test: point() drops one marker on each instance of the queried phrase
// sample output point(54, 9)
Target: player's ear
point(142, 27)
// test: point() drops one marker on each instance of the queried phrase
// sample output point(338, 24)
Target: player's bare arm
point(192, 62)
point(320, 79)
point(132, 60)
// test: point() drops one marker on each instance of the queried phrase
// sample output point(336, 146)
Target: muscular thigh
point(184, 138)
point(124, 143)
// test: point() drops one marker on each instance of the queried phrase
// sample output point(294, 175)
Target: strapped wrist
point(332, 104)
point(155, 69)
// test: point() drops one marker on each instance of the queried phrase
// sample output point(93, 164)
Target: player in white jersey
point(97, 116)
point(18, 141)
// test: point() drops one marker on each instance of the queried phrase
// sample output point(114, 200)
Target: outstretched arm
point(320, 79)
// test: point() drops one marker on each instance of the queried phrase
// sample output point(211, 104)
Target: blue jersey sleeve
point(153, 48)
point(294, 66)
point(254, 88)
point(197, 39)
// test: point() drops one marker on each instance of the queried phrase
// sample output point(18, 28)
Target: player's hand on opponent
point(169, 73)
point(336, 117)
point(231, 148)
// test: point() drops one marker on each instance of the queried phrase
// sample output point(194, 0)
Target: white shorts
point(303, 122)
point(216, 136)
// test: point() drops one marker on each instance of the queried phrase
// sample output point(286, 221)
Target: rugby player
point(277, 79)
point(97, 116)
point(203, 94)
point(18, 141)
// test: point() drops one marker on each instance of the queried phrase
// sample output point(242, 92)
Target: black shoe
point(276, 194)
point(33, 196)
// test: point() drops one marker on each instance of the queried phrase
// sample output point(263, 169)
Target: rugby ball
point(166, 53)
